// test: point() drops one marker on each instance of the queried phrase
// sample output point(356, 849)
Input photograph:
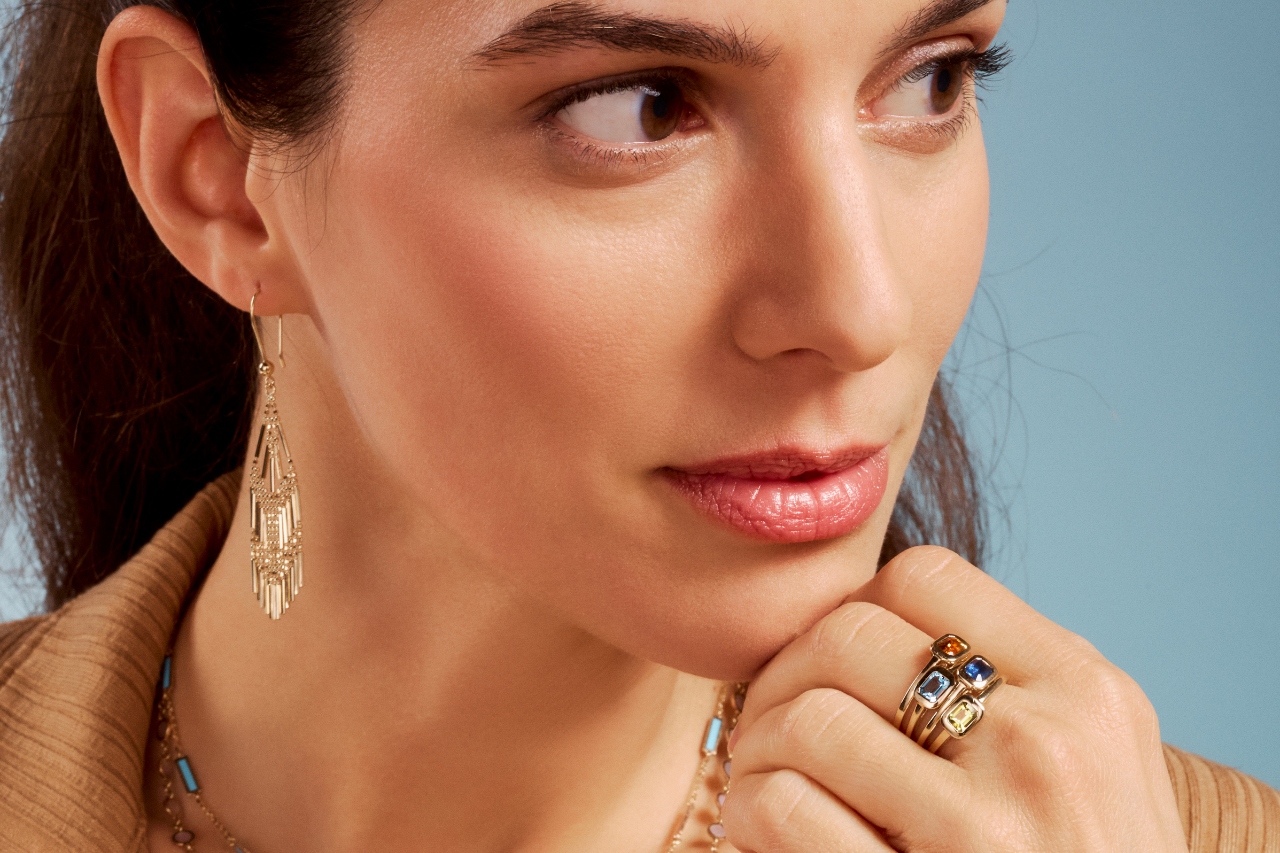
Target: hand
point(1066, 758)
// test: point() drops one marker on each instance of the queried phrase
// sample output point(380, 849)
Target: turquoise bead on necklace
point(714, 744)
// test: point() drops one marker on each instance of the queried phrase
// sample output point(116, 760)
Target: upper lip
point(785, 463)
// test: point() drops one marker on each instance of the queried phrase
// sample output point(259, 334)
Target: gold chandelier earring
point(275, 517)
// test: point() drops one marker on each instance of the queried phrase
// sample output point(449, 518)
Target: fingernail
point(733, 737)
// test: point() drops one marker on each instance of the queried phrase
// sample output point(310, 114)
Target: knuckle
point(1113, 698)
point(1052, 751)
point(807, 717)
point(1075, 652)
point(781, 793)
point(836, 634)
point(1058, 751)
point(1120, 705)
point(760, 812)
point(1115, 687)
point(923, 565)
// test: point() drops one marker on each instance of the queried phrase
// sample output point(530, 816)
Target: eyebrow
point(566, 26)
point(932, 17)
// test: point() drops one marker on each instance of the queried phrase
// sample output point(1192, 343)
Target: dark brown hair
point(127, 385)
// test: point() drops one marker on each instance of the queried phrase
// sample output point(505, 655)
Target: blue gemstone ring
point(946, 699)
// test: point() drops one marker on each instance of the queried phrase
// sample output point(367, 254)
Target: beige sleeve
point(1223, 810)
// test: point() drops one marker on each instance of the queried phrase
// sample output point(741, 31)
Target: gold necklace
point(174, 761)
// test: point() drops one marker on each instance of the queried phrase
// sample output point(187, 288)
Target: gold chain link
point(727, 701)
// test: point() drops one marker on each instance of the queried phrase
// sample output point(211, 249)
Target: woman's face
point(642, 301)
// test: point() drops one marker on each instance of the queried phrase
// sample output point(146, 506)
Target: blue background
point(1132, 273)
point(1121, 367)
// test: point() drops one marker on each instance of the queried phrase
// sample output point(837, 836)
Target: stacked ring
point(947, 698)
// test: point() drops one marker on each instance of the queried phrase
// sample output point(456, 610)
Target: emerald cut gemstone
point(934, 686)
point(962, 717)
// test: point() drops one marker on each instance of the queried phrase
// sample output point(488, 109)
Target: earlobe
point(187, 172)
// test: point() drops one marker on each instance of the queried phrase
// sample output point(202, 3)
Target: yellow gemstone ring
point(946, 699)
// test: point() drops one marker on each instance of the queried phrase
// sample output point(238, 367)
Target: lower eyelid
point(560, 133)
point(925, 135)
point(584, 149)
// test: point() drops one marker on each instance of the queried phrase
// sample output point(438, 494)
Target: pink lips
point(789, 496)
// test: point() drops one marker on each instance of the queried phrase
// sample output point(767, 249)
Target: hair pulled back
point(126, 384)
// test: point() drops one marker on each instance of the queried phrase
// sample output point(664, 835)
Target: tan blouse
point(77, 686)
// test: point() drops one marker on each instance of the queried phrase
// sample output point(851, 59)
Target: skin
point(513, 627)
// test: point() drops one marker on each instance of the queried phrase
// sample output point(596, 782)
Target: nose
point(819, 280)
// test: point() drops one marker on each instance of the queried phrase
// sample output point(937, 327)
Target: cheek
point(551, 325)
point(513, 350)
point(936, 215)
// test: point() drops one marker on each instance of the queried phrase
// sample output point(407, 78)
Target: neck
point(410, 700)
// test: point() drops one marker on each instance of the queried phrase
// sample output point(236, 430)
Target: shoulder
point(1223, 809)
point(73, 723)
point(116, 632)
point(77, 687)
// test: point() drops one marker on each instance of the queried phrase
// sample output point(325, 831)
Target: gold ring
point(946, 699)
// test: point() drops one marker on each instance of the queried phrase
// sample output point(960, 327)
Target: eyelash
point(981, 66)
point(586, 91)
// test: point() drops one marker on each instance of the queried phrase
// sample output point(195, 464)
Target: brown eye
point(945, 91)
point(646, 112)
point(662, 109)
point(932, 90)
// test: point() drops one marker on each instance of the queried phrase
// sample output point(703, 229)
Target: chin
point(727, 627)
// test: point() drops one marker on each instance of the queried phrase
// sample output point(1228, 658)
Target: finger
point(855, 754)
point(940, 593)
point(860, 649)
point(784, 812)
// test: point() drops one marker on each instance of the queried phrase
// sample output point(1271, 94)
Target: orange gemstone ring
point(946, 699)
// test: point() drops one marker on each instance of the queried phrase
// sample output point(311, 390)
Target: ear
point(188, 174)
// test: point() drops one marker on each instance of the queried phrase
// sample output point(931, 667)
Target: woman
point(610, 331)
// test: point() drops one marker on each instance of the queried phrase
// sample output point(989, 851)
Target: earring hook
point(254, 321)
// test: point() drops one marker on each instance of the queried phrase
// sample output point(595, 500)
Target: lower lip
point(791, 510)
